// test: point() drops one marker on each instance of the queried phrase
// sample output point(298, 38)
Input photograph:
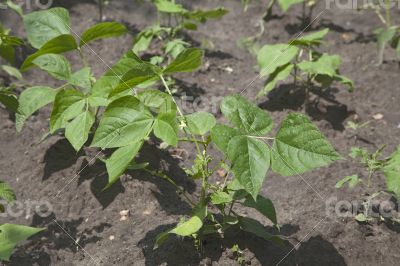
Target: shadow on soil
point(61, 155)
point(323, 106)
point(59, 235)
point(315, 251)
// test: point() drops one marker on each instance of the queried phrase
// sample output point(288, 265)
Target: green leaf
point(314, 38)
point(68, 104)
point(392, 172)
point(203, 15)
point(200, 123)
point(351, 180)
point(166, 128)
point(56, 65)
point(42, 26)
point(58, 45)
point(82, 79)
point(325, 65)
point(15, 7)
point(187, 61)
point(384, 37)
point(102, 31)
point(299, 147)
point(6, 192)
point(11, 235)
point(250, 160)
point(270, 57)
point(175, 47)
point(12, 71)
point(281, 73)
point(221, 197)
point(31, 100)
point(160, 239)
point(254, 227)
point(77, 131)
point(221, 135)
point(125, 121)
point(158, 101)
point(169, 6)
point(286, 4)
point(246, 116)
point(9, 100)
point(264, 206)
point(104, 86)
point(138, 74)
point(193, 225)
point(120, 161)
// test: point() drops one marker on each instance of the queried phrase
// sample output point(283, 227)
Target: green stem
point(204, 187)
point(101, 7)
point(83, 58)
point(388, 15)
point(193, 140)
point(167, 178)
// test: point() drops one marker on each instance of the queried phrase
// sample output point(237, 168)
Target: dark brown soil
point(38, 171)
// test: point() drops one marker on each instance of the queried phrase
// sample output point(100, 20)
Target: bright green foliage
point(54, 64)
point(6, 193)
point(279, 61)
point(391, 170)
point(132, 112)
point(373, 162)
point(43, 26)
point(200, 123)
point(184, 20)
point(102, 31)
point(299, 146)
point(250, 160)
point(11, 235)
point(351, 180)
point(31, 100)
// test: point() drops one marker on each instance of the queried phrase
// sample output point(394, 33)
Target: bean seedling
point(129, 114)
point(300, 60)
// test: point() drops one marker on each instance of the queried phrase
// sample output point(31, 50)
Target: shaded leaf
point(392, 172)
point(264, 206)
point(166, 128)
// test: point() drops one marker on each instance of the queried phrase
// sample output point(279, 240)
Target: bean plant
point(123, 114)
point(389, 33)
point(172, 19)
point(300, 59)
point(374, 164)
point(8, 43)
point(11, 234)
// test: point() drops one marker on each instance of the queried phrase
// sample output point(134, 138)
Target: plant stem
point(101, 7)
point(83, 58)
point(255, 137)
point(167, 178)
point(388, 15)
point(193, 140)
point(203, 186)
